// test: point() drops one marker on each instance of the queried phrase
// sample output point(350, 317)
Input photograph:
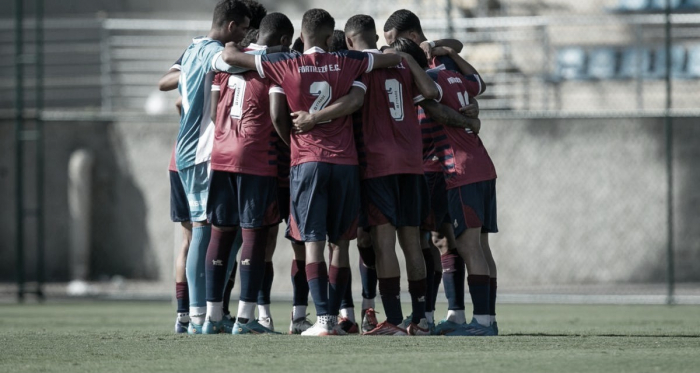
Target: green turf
point(137, 337)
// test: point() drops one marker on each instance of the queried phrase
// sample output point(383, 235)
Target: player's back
point(195, 136)
point(390, 130)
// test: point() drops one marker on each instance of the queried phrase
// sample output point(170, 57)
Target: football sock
point(266, 289)
point(456, 316)
point(368, 275)
point(437, 279)
point(367, 256)
point(338, 283)
point(347, 301)
point(264, 311)
point(367, 304)
point(298, 312)
point(215, 311)
point(246, 311)
point(417, 290)
point(493, 284)
point(183, 316)
point(430, 317)
point(194, 268)
point(229, 285)
point(300, 286)
point(252, 266)
point(217, 260)
point(429, 279)
point(479, 291)
point(453, 279)
point(183, 299)
point(348, 313)
point(390, 291)
point(317, 275)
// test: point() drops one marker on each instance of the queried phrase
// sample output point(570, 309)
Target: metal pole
point(448, 11)
point(19, 124)
point(39, 4)
point(668, 126)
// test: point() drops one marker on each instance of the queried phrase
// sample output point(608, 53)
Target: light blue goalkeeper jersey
point(195, 139)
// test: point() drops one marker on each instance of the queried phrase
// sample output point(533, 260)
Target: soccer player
point(200, 60)
point(394, 189)
point(470, 180)
point(324, 158)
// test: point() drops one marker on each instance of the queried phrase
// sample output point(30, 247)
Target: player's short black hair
point(360, 23)
point(317, 20)
point(250, 37)
point(257, 12)
point(276, 25)
point(230, 10)
point(403, 20)
point(298, 45)
point(413, 49)
point(338, 42)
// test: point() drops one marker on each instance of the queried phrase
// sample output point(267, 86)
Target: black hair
point(276, 25)
point(257, 12)
point(403, 20)
point(316, 21)
point(360, 23)
point(298, 45)
point(338, 41)
point(413, 49)
point(230, 10)
point(250, 37)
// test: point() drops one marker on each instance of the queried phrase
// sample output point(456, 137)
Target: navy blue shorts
point(179, 207)
point(248, 201)
point(474, 206)
point(401, 200)
point(439, 213)
point(325, 202)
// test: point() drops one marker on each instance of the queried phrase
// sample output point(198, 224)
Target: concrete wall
point(581, 201)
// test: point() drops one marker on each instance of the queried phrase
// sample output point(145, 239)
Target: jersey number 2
point(323, 93)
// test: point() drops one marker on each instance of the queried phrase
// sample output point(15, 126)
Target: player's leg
point(257, 201)
point(339, 281)
point(368, 275)
point(231, 275)
point(346, 318)
point(195, 182)
point(493, 283)
point(180, 213)
point(300, 290)
point(264, 315)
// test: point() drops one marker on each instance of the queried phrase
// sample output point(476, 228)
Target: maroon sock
point(252, 264)
point(216, 263)
point(390, 292)
point(317, 276)
point(338, 279)
point(300, 284)
point(183, 297)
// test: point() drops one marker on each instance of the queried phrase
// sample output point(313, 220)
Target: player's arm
point(426, 86)
point(279, 113)
point(232, 56)
point(178, 105)
point(170, 80)
point(464, 67)
point(382, 61)
point(214, 103)
point(471, 110)
point(429, 45)
point(449, 117)
point(346, 105)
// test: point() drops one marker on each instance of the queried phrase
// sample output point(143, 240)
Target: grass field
point(137, 337)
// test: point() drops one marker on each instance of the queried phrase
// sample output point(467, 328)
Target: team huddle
point(342, 140)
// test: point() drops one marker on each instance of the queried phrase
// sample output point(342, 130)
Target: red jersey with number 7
point(462, 154)
point(312, 81)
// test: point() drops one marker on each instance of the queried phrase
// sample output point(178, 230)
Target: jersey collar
point(375, 51)
point(313, 50)
point(256, 47)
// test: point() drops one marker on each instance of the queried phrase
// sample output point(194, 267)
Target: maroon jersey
point(173, 165)
point(391, 136)
point(312, 81)
point(462, 154)
point(245, 140)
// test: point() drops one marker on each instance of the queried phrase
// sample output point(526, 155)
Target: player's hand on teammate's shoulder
point(427, 48)
point(442, 51)
point(303, 121)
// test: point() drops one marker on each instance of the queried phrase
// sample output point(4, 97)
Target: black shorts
point(248, 201)
point(438, 213)
point(179, 207)
point(474, 206)
point(401, 200)
point(325, 202)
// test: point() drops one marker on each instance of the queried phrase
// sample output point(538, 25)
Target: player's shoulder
point(350, 54)
point(436, 72)
point(280, 56)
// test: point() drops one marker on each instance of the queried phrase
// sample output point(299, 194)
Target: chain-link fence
point(574, 117)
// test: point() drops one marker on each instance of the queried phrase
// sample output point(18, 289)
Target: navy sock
point(194, 267)
point(218, 254)
point(437, 279)
point(266, 289)
point(479, 291)
point(338, 283)
point(493, 284)
point(317, 275)
point(368, 256)
point(347, 301)
point(390, 291)
point(183, 298)
point(429, 279)
point(417, 289)
point(252, 263)
point(369, 280)
point(453, 279)
point(300, 291)
point(229, 288)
